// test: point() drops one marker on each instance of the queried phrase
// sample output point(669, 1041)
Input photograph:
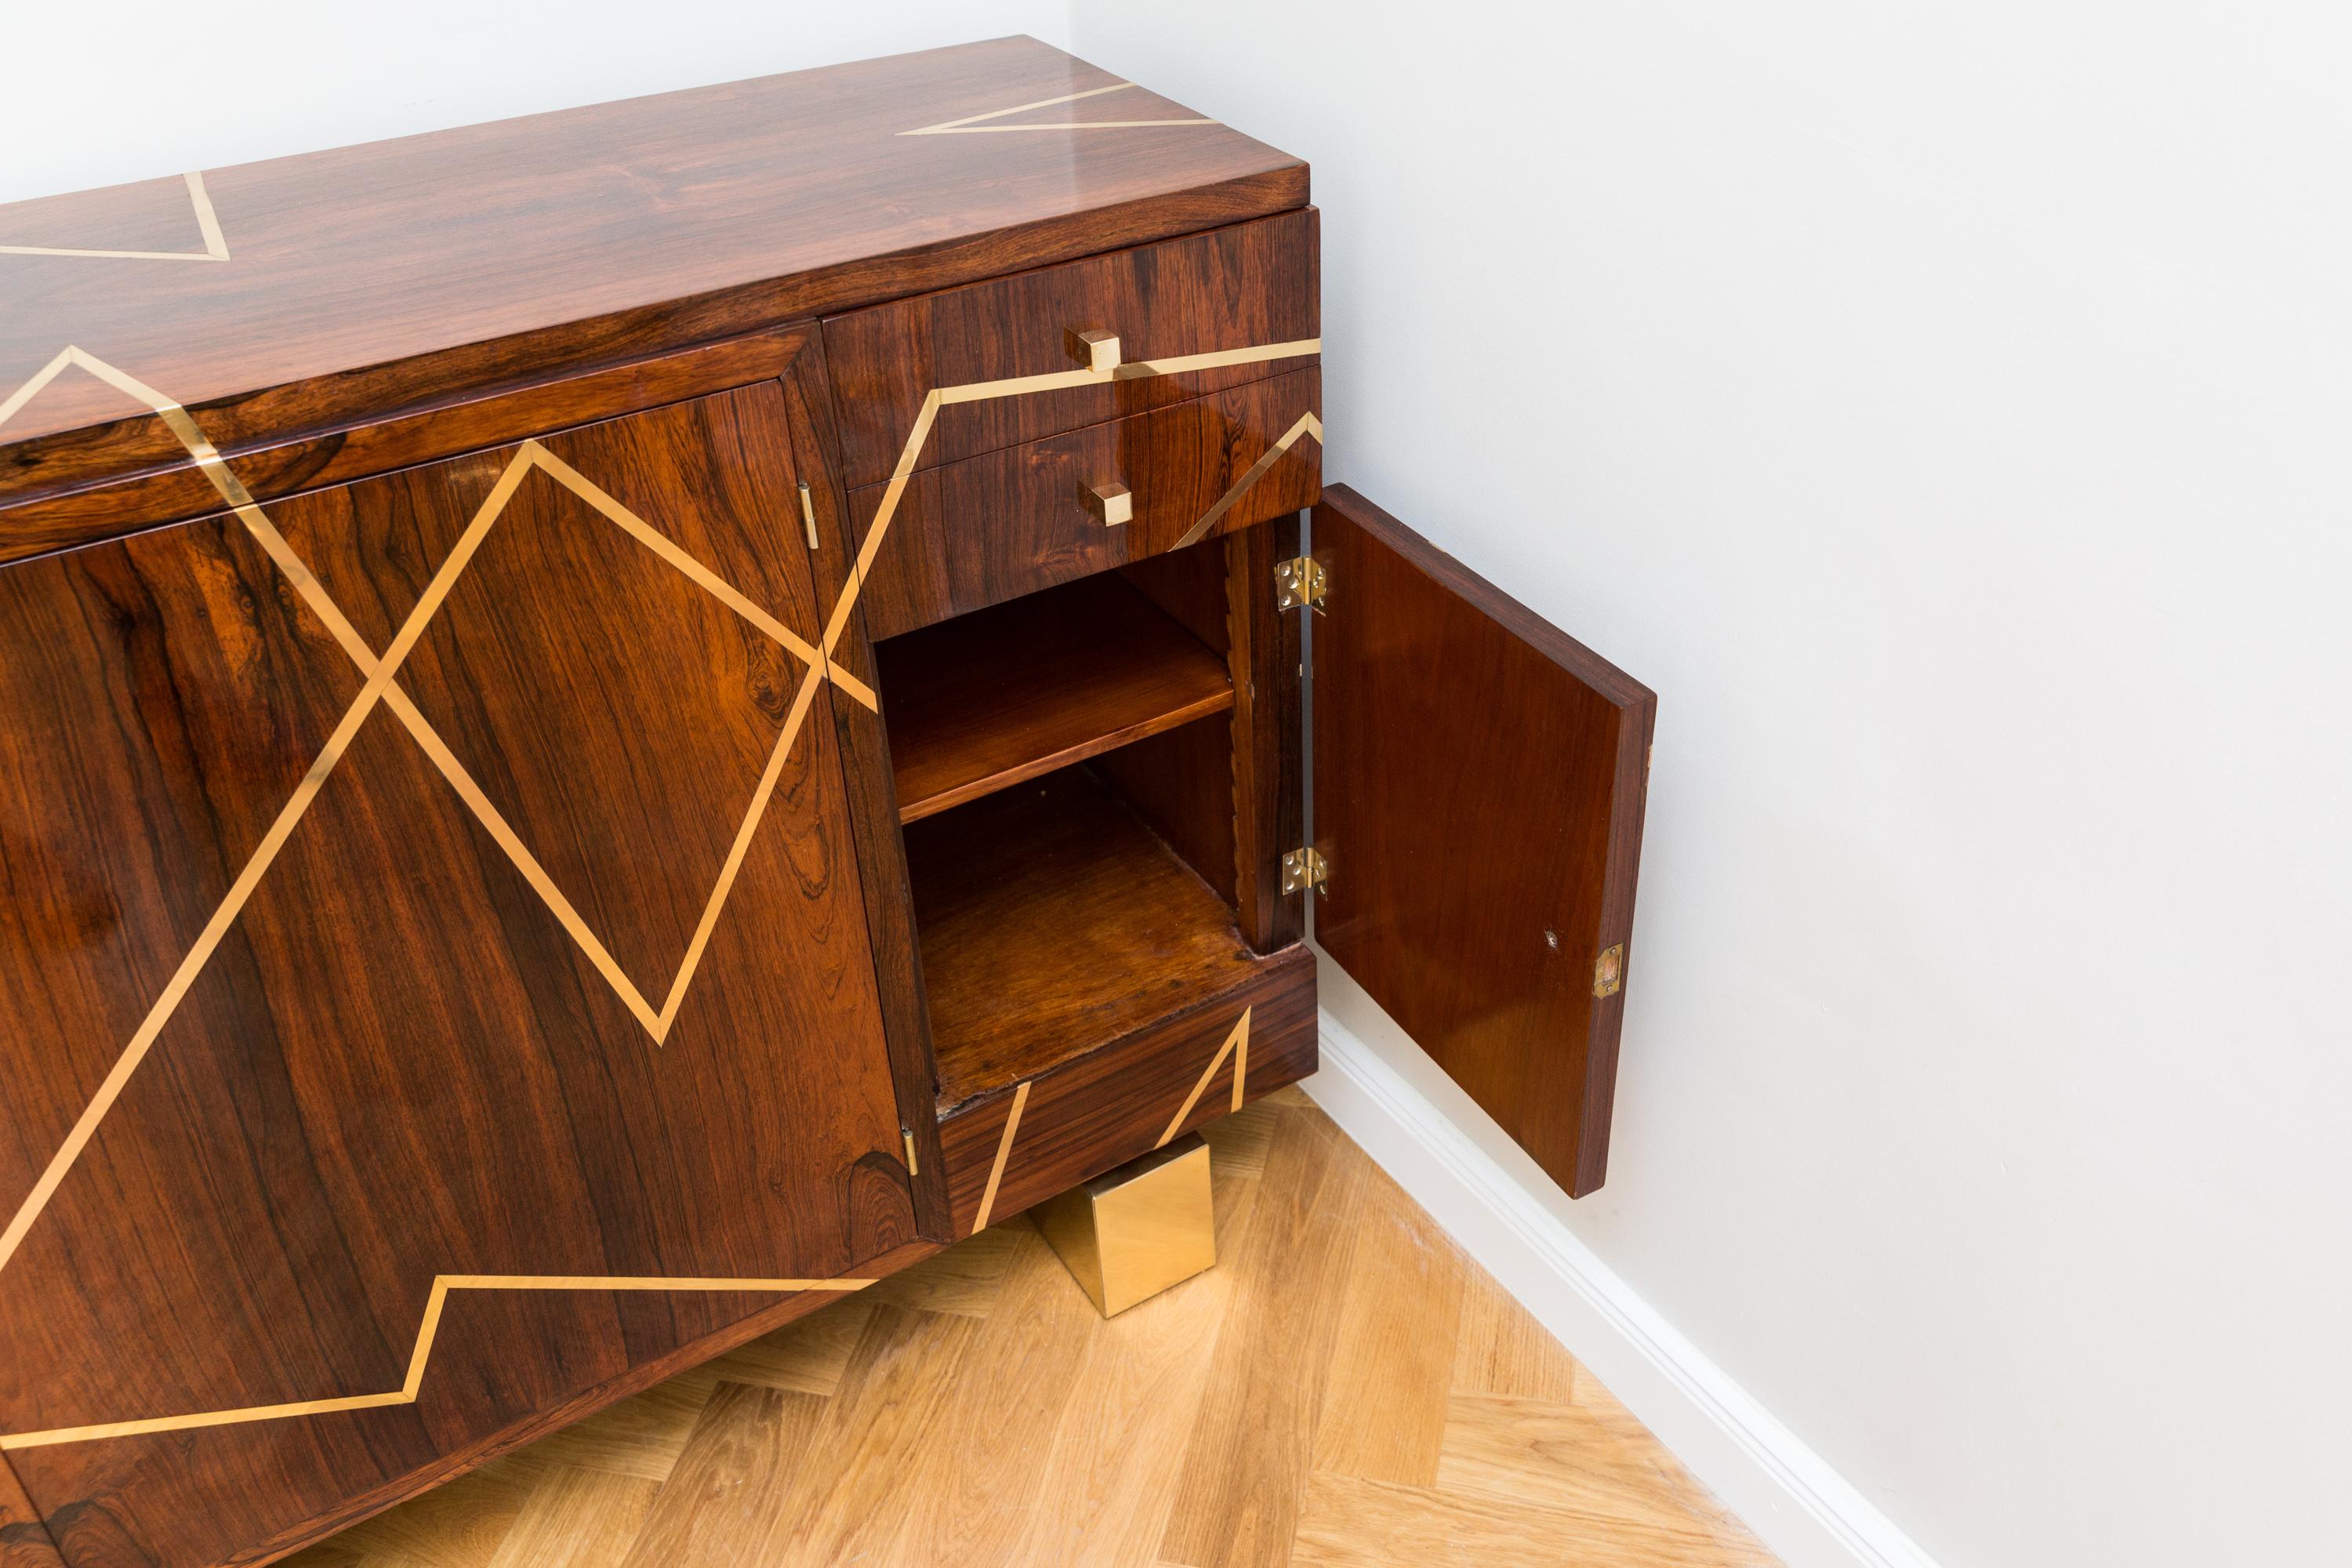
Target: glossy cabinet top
point(304, 293)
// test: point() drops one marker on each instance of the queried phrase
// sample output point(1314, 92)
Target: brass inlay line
point(426, 1331)
point(1003, 1152)
point(208, 225)
point(381, 685)
point(710, 581)
point(1308, 426)
point(1237, 1040)
point(1015, 386)
point(970, 124)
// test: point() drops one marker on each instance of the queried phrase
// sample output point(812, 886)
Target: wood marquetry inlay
point(1307, 425)
point(971, 124)
point(1237, 1046)
point(1003, 1153)
point(382, 687)
point(418, 1357)
point(208, 229)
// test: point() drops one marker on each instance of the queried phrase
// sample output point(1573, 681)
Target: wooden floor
point(1344, 1388)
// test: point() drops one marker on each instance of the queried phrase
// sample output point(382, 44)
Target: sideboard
point(614, 723)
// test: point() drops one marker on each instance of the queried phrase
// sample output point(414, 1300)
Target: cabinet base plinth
point(1131, 1233)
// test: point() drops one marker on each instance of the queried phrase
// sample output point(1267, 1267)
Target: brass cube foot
point(1131, 1233)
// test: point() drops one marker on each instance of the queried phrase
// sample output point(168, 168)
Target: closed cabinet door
point(434, 979)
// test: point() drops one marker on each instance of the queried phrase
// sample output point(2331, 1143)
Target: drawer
point(1094, 1112)
point(993, 528)
point(1252, 286)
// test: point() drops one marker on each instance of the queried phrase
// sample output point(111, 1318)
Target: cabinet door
point(1478, 787)
point(435, 988)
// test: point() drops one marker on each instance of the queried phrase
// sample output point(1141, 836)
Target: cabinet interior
point(1065, 773)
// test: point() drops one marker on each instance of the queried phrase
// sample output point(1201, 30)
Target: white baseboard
point(1799, 1506)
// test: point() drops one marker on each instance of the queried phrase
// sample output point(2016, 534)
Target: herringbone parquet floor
point(1344, 1389)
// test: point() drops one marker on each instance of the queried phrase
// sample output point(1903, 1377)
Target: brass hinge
point(808, 514)
point(1609, 970)
point(1301, 581)
point(907, 1136)
point(1305, 868)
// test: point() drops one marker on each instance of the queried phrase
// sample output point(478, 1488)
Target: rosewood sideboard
point(614, 723)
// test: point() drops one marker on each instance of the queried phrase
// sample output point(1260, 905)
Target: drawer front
point(1102, 1110)
point(995, 527)
point(434, 983)
point(1248, 287)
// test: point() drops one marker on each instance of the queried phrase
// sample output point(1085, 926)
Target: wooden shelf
point(982, 702)
point(1052, 922)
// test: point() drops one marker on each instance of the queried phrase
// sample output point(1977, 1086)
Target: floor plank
point(975, 1484)
point(1111, 1475)
point(1503, 1349)
point(577, 1518)
point(1246, 1465)
point(1351, 1523)
point(909, 1367)
point(807, 1355)
point(1384, 1411)
point(730, 1483)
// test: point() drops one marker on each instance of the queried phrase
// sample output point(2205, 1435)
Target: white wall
point(1945, 409)
point(99, 93)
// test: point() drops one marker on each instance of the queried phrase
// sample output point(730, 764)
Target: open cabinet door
point(1478, 785)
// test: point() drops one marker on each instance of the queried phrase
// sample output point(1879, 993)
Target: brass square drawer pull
point(1096, 348)
point(1112, 503)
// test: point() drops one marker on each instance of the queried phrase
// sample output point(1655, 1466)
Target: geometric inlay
point(1235, 1042)
point(526, 672)
point(971, 124)
point(207, 227)
point(382, 686)
point(420, 1354)
point(1307, 425)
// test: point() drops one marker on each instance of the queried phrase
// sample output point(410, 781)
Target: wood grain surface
point(975, 533)
point(378, 277)
point(1479, 779)
point(1250, 283)
point(987, 701)
point(974, 1410)
point(398, 1064)
point(1053, 922)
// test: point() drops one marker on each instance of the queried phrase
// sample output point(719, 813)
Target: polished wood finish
point(399, 274)
point(55, 518)
point(25, 1540)
point(399, 1064)
point(1249, 284)
point(975, 533)
point(1085, 1115)
point(1052, 923)
point(985, 702)
point(1479, 779)
point(974, 1410)
point(866, 773)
